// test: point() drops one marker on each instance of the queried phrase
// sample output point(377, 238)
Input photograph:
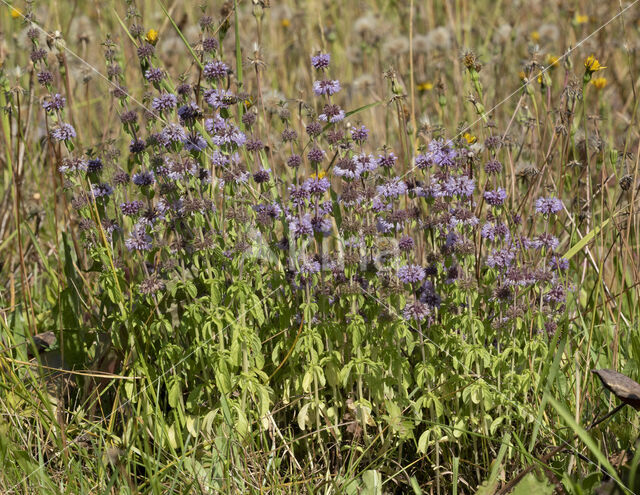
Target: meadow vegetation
point(318, 247)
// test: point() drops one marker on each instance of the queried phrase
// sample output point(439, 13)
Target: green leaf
point(530, 484)
point(586, 439)
point(586, 239)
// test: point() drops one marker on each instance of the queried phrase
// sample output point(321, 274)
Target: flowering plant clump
point(266, 264)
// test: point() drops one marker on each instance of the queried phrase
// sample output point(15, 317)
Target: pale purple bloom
point(493, 232)
point(348, 168)
point(195, 142)
point(219, 98)
point(63, 132)
point(139, 240)
point(409, 274)
point(416, 311)
point(101, 190)
point(326, 87)
point(317, 185)
point(321, 61)
point(495, 198)
point(301, 226)
point(142, 179)
point(558, 263)
point(154, 75)
point(392, 189)
point(56, 102)
point(546, 241)
point(459, 185)
point(215, 70)
point(174, 133)
point(331, 113)
point(548, 206)
point(365, 162)
point(441, 153)
point(131, 208)
point(388, 160)
point(164, 102)
point(360, 134)
point(501, 258)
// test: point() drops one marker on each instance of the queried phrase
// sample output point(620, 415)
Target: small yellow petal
point(151, 36)
point(16, 13)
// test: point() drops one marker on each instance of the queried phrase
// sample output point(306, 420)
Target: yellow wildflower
point(16, 13)
point(535, 36)
point(425, 86)
point(599, 82)
point(581, 19)
point(552, 60)
point(151, 36)
point(591, 64)
point(319, 175)
point(470, 138)
point(522, 76)
point(285, 23)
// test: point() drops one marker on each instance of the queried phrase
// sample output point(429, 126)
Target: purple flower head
point(416, 311)
point(154, 75)
point(493, 232)
point(294, 161)
point(423, 161)
point(189, 113)
point(215, 70)
point(495, 198)
point(45, 77)
point(145, 51)
point(360, 134)
point(315, 155)
point(142, 179)
point(56, 102)
point(314, 129)
point(139, 240)
point(348, 168)
point(262, 176)
point(546, 241)
point(392, 189)
point(332, 113)
point(301, 226)
point(559, 264)
point(409, 274)
point(321, 61)
point(63, 132)
point(165, 101)
point(195, 142)
point(493, 167)
point(131, 208)
point(388, 160)
point(548, 206)
point(460, 185)
point(556, 295)
point(224, 132)
point(317, 185)
point(405, 243)
point(326, 87)
point(219, 98)
point(137, 145)
point(101, 190)
point(441, 153)
point(174, 133)
point(289, 135)
point(298, 195)
point(322, 225)
point(365, 162)
point(501, 258)
point(94, 166)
